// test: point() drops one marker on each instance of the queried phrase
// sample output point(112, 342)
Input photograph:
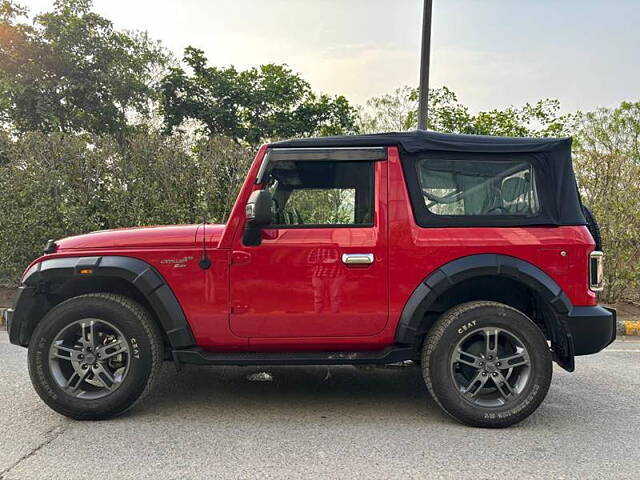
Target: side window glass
point(332, 206)
point(459, 187)
point(322, 193)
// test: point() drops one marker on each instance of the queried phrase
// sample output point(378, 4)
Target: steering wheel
point(498, 211)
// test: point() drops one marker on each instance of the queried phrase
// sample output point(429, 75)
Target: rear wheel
point(487, 364)
point(94, 356)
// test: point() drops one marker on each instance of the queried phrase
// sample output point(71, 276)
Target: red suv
point(469, 255)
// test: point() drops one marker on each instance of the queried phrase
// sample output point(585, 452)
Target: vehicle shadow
point(323, 395)
point(294, 393)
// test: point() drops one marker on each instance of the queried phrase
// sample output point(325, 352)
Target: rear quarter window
point(477, 188)
point(467, 189)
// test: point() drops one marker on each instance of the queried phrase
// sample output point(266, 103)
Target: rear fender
point(556, 305)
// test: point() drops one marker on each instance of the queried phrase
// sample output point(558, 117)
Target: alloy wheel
point(490, 367)
point(89, 358)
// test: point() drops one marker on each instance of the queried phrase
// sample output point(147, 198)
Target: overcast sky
point(492, 53)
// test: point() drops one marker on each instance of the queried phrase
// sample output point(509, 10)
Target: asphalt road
point(314, 422)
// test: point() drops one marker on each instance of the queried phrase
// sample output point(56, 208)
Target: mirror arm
point(252, 236)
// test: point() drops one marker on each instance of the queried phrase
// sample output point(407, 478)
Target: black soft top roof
point(421, 141)
point(550, 157)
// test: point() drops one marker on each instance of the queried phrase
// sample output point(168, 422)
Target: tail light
point(596, 271)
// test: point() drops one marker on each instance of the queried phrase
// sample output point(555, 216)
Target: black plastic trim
point(427, 293)
point(50, 247)
point(198, 356)
point(348, 154)
point(592, 328)
point(27, 306)
point(411, 325)
point(339, 154)
point(23, 304)
point(56, 271)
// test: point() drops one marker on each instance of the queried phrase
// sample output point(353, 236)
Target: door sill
point(198, 356)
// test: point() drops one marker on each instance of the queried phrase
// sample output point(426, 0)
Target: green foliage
point(607, 162)
point(70, 71)
point(254, 105)
point(393, 112)
point(398, 111)
point(56, 185)
point(606, 158)
point(223, 166)
point(77, 153)
point(50, 187)
point(323, 206)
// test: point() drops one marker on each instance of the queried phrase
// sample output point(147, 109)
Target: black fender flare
point(456, 271)
point(55, 271)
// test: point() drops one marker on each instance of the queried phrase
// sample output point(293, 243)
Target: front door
point(321, 268)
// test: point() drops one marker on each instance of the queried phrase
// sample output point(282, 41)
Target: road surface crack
point(49, 436)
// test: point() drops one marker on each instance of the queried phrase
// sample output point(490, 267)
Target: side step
point(198, 356)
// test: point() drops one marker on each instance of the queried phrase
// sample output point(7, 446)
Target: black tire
point(145, 354)
point(439, 366)
point(592, 226)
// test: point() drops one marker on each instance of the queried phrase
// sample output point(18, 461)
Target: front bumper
point(18, 318)
point(591, 328)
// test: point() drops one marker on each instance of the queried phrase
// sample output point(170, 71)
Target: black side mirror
point(258, 213)
point(258, 208)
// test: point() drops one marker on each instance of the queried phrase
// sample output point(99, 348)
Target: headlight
point(596, 271)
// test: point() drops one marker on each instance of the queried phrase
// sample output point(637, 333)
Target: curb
point(629, 328)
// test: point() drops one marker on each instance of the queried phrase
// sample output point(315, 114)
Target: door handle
point(239, 257)
point(357, 258)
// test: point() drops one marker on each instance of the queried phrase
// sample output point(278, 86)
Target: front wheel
point(486, 364)
point(93, 356)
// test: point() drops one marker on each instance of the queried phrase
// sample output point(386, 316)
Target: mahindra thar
point(471, 256)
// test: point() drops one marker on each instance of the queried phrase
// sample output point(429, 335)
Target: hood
point(140, 237)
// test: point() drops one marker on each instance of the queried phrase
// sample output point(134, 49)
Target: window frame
point(371, 156)
point(427, 219)
point(342, 154)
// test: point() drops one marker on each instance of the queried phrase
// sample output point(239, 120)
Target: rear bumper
point(591, 328)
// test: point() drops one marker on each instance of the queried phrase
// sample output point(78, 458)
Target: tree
point(223, 166)
point(254, 105)
point(398, 111)
point(57, 184)
point(607, 161)
point(70, 71)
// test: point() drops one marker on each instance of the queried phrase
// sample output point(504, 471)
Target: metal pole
point(425, 58)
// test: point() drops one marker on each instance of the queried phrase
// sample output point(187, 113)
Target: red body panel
point(323, 297)
point(416, 251)
point(292, 292)
point(159, 236)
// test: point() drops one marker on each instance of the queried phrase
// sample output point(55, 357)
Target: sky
point(492, 53)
